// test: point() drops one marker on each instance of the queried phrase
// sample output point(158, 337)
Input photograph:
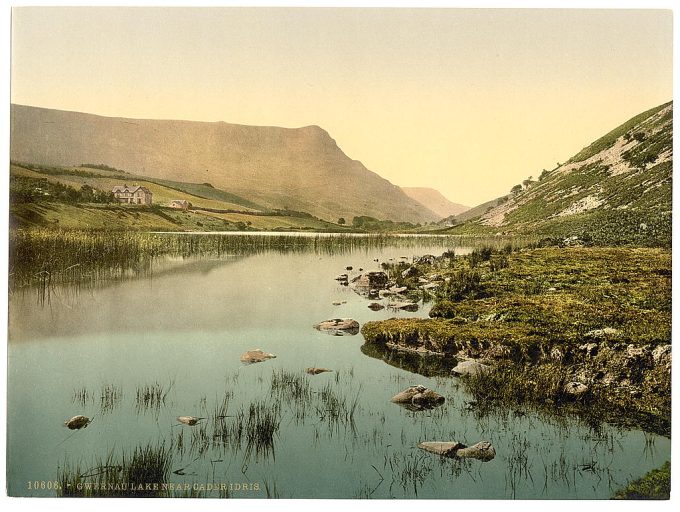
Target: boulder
point(370, 280)
point(483, 450)
point(77, 422)
point(404, 306)
point(376, 306)
point(601, 333)
point(575, 389)
point(471, 367)
point(339, 326)
point(428, 259)
point(418, 397)
point(256, 356)
point(317, 371)
point(410, 272)
point(398, 289)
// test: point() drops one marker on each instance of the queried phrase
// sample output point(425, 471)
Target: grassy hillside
point(276, 168)
point(618, 190)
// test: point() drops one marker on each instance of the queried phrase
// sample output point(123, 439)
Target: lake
point(134, 354)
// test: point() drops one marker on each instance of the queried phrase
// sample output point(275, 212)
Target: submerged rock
point(376, 306)
point(419, 397)
point(471, 367)
point(189, 420)
point(77, 422)
point(339, 326)
point(483, 450)
point(405, 306)
point(339, 302)
point(256, 356)
point(317, 371)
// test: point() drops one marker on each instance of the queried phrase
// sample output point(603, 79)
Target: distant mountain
point(300, 169)
point(616, 190)
point(435, 201)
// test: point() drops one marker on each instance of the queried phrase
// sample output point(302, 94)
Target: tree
point(516, 189)
point(341, 221)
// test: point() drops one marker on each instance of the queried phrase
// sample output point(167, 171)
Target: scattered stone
point(590, 349)
point(317, 371)
point(483, 450)
point(575, 389)
point(471, 367)
point(189, 420)
point(419, 397)
point(376, 306)
point(256, 356)
point(349, 268)
point(403, 306)
point(339, 326)
point(661, 355)
point(398, 289)
point(601, 333)
point(429, 286)
point(77, 422)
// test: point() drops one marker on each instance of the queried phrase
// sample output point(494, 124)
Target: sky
point(470, 102)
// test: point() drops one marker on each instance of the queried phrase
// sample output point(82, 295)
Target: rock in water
point(189, 420)
point(404, 306)
point(77, 422)
point(471, 367)
point(256, 356)
point(419, 397)
point(376, 306)
point(370, 280)
point(339, 326)
point(483, 450)
point(317, 371)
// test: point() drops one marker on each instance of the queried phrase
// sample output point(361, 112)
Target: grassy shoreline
point(543, 318)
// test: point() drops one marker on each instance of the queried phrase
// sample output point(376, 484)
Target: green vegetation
point(608, 140)
point(655, 485)
point(546, 317)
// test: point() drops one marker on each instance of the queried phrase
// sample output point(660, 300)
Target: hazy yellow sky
point(469, 102)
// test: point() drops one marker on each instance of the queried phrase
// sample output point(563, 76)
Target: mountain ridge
point(434, 200)
point(297, 168)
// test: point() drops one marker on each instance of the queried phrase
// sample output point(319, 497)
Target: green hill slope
point(618, 190)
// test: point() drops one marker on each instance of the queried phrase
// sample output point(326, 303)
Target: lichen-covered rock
point(256, 356)
point(471, 367)
point(339, 326)
point(77, 422)
point(575, 389)
point(602, 333)
point(483, 450)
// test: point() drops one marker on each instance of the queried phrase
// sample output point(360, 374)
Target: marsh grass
point(81, 396)
point(262, 424)
point(124, 476)
point(110, 398)
point(152, 396)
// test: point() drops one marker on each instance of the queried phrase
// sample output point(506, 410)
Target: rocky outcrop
point(483, 450)
point(339, 326)
point(256, 356)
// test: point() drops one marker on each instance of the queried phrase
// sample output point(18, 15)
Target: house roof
point(131, 190)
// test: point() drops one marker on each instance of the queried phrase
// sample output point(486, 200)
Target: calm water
point(184, 326)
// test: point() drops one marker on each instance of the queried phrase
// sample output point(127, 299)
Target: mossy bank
point(545, 318)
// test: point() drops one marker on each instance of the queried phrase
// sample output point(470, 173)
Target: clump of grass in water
point(336, 408)
point(152, 396)
point(124, 477)
point(292, 388)
point(81, 396)
point(261, 427)
point(110, 398)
